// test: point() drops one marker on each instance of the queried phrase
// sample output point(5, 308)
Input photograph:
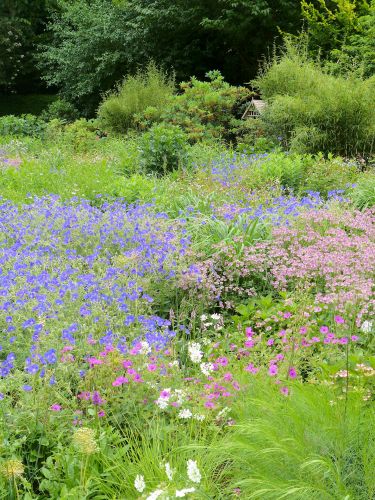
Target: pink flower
point(165, 394)
point(227, 376)
point(285, 391)
point(279, 357)
point(287, 315)
point(249, 331)
point(209, 404)
point(236, 385)
point(119, 381)
point(324, 329)
point(292, 373)
point(354, 338)
point(222, 361)
point(339, 320)
point(94, 361)
point(55, 407)
point(127, 363)
point(344, 340)
point(151, 367)
point(101, 414)
point(249, 343)
point(303, 330)
point(251, 368)
point(270, 342)
point(272, 370)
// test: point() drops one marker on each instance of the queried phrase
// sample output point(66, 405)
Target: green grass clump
point(309, 445)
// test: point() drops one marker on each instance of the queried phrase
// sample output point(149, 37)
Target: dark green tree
point(97, 42)
point(22, 24)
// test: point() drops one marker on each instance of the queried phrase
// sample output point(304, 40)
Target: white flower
point(206, 368)
point(154, 495)
point(199, 417)
point(169, 471)
point(185, 413)
point(366, 326)
point(180, 395)
point(183, 493)
point(203, 317)
point(216, 317)
point(162, 403)
point(195, 352)
point(193, 472)
point(145, 347)
point(139, 483)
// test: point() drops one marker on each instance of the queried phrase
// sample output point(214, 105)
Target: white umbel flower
point(155, 494)
point(145, 347)
point(193, 472)
point(139, 483)
point(186, 413)
point(184, 492)
point(169, 471)
point(206, 368)
point(195, 352)
point(366, 326)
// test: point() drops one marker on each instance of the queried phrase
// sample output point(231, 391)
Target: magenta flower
point(222, 361)
point(249, 343)
point(284, 391)
point(55, 407)
point(272, 370)
point(303, 330)
point(324, 329)
point(127, 363)
point(236, 385)
point(270, 342)
point(209, 404)
point(292, 373)
point(101, 414)
point(151, 367)
point(354, 338)
point(227, 376)
point(339, 320)
point(249, 331)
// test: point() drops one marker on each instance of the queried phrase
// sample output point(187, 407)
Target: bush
point(62, 110)
point(163, 149)
point(207, 110)
point(24, 125)
point(313, 111)
point(149, 89)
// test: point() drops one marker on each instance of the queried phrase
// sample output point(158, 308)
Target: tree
point(342, 33)
point(21, 28)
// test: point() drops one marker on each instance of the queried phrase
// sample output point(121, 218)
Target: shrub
point(163, 149)
point(24, 125)
point(148, 89)
point(62, 110)
point(313, 111)
point(207, 110)
point(329, 175)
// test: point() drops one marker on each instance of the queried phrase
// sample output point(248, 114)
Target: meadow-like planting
point(206, 334)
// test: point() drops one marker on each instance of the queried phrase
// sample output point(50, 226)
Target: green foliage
point(363, 193)
point(17, 104)
point(163, 149)
point(88, 51)
point(342, 32)
point(61, 110)
point(313, 111)
point(288, 448)
point(207, 110)
point(148, 89)
point(21, 28)
point(24, 125)
point(328, 175)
